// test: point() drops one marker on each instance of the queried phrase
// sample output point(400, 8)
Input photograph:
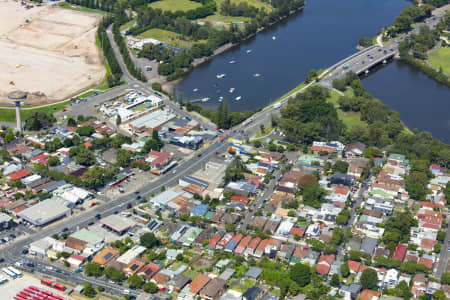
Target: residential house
point(214, 289)
point(354, 150)
point(324, 264)
point(253, 293)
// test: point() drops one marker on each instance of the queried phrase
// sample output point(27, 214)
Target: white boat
point(220, 99)
point(274, 38)
point(232, 62)
point(256, 75)
point(205, 99)
point(238, 98)
point(195, 90)
point(231, 90)
point(249, 51)
point(220, 76)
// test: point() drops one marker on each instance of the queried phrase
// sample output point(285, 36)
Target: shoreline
point(169, 85)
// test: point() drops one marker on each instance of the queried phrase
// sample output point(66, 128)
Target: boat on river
point(220, 76)
point(231, 90)
point(274, 38)
point(220, 99)
point(232, 61)
point(248, 51)
point(256, 75)
point(195, 90)
point(238, 98)
point(205, 99)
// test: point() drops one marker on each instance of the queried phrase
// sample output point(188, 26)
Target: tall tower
point(16, 97)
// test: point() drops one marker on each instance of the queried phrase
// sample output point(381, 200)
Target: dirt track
point(52, 56)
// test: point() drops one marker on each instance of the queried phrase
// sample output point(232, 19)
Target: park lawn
point(83, 9)
point(127, 25)
point(167, 37)
point(175, 5)
point(350, 119)
point(9, 115)
point(440, 58)
point(224, 19)
point(267, 130)
point(255, 3)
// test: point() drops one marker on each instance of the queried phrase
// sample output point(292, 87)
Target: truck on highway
point(345, 67)
point(277, 105)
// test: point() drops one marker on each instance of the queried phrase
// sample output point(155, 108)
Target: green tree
point(149, 240)
point(88, 290)
point(335, 280)
point(71, 122)
point(340, 167)
point(369, 279)
point(445, 278)
point(313, 195)
point(124, 158)
point(306, 179)
point(114, 274)
point(439, 295)
point(150, 287)
point(93, 269)
point(300, 273)
point(53, 161)
point(118, 120)
point(135, 281)
point(345, 270)
point(85, 130)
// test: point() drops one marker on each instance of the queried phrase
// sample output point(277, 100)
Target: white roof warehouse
point(45, 212)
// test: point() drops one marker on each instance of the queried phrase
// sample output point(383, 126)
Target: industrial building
point(154, 120)
point(45, 212)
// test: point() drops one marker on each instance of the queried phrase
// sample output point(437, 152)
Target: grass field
point(255, 3)
point(174, 5)
point(9, 115)
point(168, 37)
point(224, 19)
point(127, 25)
point(81, 8)
point(440, 58)
point(350, 119)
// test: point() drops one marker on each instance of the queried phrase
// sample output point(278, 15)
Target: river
point(325, 32)
point(423, 103)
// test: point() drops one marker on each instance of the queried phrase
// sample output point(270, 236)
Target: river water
point(423, 103)
point(325, 32)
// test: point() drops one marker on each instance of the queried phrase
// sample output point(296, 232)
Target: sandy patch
point(49, 51)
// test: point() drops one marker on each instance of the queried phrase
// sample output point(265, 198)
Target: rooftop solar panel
point(108, 255)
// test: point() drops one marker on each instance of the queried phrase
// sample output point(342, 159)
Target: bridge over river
point(363, 60)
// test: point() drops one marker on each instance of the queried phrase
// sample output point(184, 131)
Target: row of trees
point(409, 15)
point(116, 72)
point(135, 71)
point(242, 9)
point(39, 120)
point(221, 117)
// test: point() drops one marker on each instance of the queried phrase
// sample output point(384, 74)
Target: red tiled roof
point(399, 253)
point(323, 269)
point(297, 231)
point(254, 243)
point(19, 174)
point(320, 148)
point(243, 200)
point(198, 283)
point(430, 204)
point(341, 190)
point(353, 265)
point(427, 244)
point(426, 261)
point(324, 264)
point(214, 240)
point(362, 268)
point(369, 294)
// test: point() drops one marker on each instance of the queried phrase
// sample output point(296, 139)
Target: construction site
point(47, 51)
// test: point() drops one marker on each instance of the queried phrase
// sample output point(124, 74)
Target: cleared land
point(440, 58)
point(174, 5)
point(47, 51)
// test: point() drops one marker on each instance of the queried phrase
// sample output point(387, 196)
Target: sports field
point(174, 5)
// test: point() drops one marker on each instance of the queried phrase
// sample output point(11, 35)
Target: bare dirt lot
point(47, 51)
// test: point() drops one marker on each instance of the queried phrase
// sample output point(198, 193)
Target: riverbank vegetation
point(414, 49)
point(311, 116)
point(221, 117)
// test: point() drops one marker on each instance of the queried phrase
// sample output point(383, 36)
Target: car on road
point(78, 270)
point(129, 205)
point(199, 154)
point(174, 171)
point(137, 192)
point(98, 216)
point(116, 212)
point(91, 223)
point(65, 229)
point(25, 251)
